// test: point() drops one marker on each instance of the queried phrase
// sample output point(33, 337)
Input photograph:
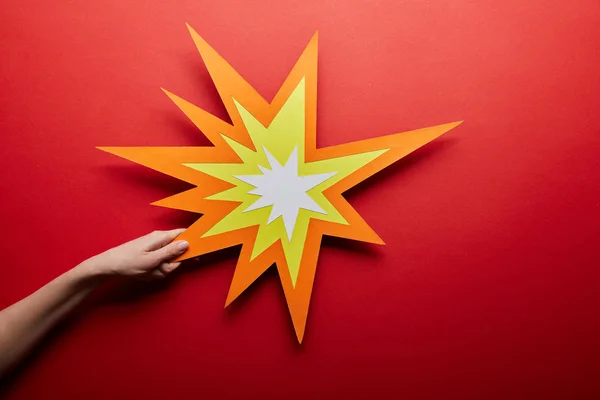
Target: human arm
point(26, 322)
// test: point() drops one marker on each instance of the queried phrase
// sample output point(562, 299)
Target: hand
point(146, 257)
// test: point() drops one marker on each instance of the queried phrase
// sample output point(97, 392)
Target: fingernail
point(182, 246)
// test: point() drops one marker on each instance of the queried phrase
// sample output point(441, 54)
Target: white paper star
point(282, 188)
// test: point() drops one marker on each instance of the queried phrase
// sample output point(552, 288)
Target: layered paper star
point(264, 184)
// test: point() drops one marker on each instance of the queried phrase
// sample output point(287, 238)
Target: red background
point(488, 285)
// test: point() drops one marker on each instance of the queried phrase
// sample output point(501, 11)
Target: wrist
point(91, 270)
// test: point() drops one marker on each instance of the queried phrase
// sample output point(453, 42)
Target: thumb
point(170, 251)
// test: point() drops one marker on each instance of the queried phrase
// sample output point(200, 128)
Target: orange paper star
point(264, 184)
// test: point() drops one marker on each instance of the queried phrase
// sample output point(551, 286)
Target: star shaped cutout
point(264, 184)
point(282, 188)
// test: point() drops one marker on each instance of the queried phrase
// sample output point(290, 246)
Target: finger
point(156, 273)
point(162, 270)
point(167, 268)
point(170, 251)
point(158, 239)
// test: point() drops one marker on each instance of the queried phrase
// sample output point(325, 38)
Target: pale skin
point(26, 322)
